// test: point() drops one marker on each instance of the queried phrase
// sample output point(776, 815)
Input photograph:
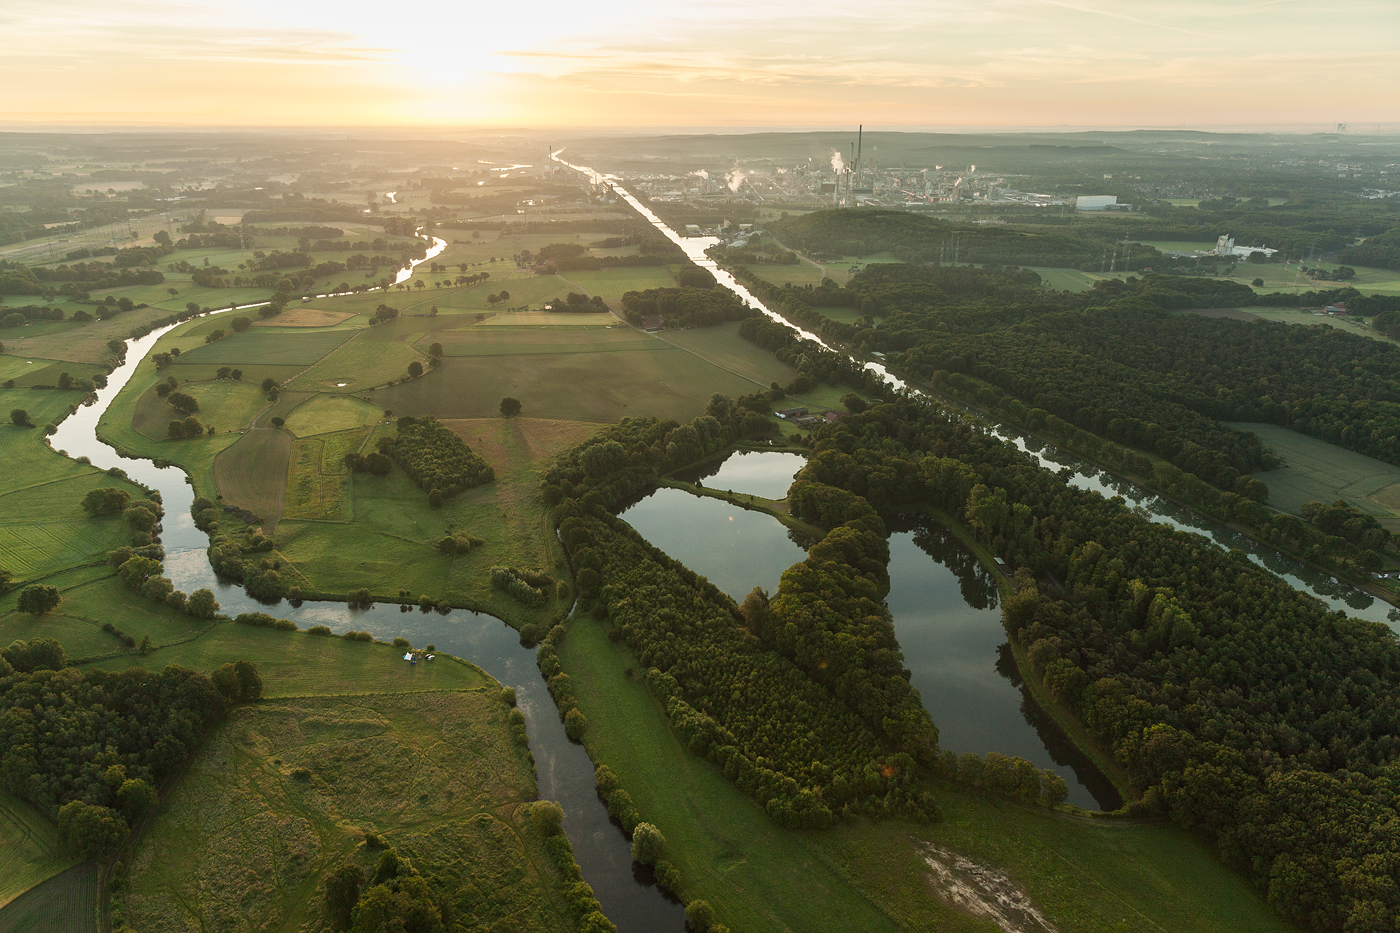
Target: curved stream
point(564, 771)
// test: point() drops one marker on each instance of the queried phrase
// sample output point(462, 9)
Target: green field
point(32, 371)
point(1084, 875)
point(391, 543)
point(323, 414)
point(227, 404)
point(806, 273)
point(252, 473)
point(506, 340)
point(29, 850)
point(1350, 325)
point(722, 346)
point(86, 343)
point(666, 382)
point(317, 483)
point(1321, 471)
point(360, 363)
point(93, 596)
point(43, 527)
point(66, 903)
point(260, 346)
point(614, 283)
point(436, 774)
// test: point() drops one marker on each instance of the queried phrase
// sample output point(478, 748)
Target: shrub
point(319, 630)
point(575, 724)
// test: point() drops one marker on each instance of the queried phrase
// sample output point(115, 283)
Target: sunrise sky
point(717, 63)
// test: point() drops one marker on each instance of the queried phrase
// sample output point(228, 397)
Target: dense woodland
point(90, 748)
point(435, 458)
point(685, 306)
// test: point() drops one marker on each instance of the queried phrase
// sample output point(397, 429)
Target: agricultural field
point(43, 528)
point(73, 341)
point(805, 273)
point(561, 335)
point(612, 284)
point(318, 483)
point(227, 404)
point(1083, 875)
point(324, 414)
point(361, 363)
point(588, 386)
point(65, 903)
point(1322, 471)
point(252, 473)
point(305, 317)
point(269, 349)
point(29, 850)
point(31, 371)
point(722, 346)
point(391, 543)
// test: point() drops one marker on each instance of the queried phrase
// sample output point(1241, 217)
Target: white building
point(1095, 202)
point(1225, 246)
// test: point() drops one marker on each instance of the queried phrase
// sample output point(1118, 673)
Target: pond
point(735, 549)
point(766, 473)
point(949, 627)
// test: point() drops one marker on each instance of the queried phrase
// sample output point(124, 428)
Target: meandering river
point(563, 769)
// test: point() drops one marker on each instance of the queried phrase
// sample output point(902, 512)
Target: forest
point(436, 459)
point(1240, 707)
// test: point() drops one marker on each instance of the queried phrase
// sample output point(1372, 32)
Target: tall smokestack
point(859, 134)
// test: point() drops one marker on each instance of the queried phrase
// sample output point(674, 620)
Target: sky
point(631, 64)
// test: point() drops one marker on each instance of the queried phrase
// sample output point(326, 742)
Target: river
point(1336, 594)
point(563, 769)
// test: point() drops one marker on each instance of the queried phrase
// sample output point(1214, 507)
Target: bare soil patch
point(305, 317)
point(983, 892)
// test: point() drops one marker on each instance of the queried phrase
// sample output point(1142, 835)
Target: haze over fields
point(632, 64)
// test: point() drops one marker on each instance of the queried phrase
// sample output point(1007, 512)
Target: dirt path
point(983, 892)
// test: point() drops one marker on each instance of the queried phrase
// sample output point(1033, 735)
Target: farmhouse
point(791, 414)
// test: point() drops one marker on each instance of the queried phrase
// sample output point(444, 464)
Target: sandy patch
point(305, 317)
point(983, 892)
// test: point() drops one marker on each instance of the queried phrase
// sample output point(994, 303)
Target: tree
point(90, 832)
point(269, 384)
point(1257, 283)
point(342, 893)
point(108, 500)
point(647, 843)
point(202, 604)
point(510, 407)
point(136, 798)
point(700, 916)
point(415, 369)
point(853, 403)
point(38, 599)
point(278, 422)
point(20, 417)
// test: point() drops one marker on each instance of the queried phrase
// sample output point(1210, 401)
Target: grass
point(269, 349)
point(360, 363)
point(318, 485)
point(549, 319)
point(342, 532)
point(759, 876)
point(252, 473)
point(93, 596)
point(305, 317)
point(226, 404)
point(665, 382)
point(43, 528)
point(1085, 875)
point(66, 903)
point(76, 342)
point(722, 346)
point(294, 664)
point(244, 840)
point(29, 849)
point(1319, 470)
point(614, 283)
point(32, 371)
point(1307, 318)
point(483, 340)
point(324, 414)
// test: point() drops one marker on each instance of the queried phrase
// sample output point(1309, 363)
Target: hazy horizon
point(632, 67)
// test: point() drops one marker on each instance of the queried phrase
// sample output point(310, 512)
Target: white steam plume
point(701, 172)
point(838, 164)
point(734, 179)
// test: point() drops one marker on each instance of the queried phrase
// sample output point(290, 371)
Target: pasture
point(77, 342)
point(324, 414)
point(1322, 471)
point(227, 404)
point(391, 543)
point(1084, 875)
point(722, 346)
point(362, 362)
point(305, 317)
point(252, 473)
point(32, 371)
point(65, 903)
point(317, 482)
point(269, 349)
point(505, 340)
point(588, 386)
point(614, 283)
point(29, 850)
point(286, 791)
